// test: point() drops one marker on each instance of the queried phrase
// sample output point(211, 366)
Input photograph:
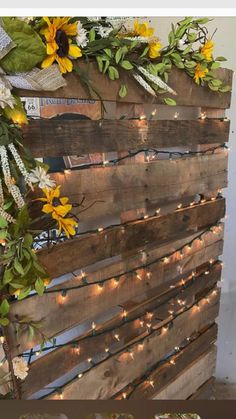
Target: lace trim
point(6, 43)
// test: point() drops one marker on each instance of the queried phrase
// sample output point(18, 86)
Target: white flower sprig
point(40, 176)
point(156, 80)
point(81, 38)
point(144, 84)
point(19, 163)
point(20, 367)
point(6, 98)
point(9, 181)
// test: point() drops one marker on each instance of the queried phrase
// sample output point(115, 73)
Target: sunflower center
point(62, 42)
point(56, 202)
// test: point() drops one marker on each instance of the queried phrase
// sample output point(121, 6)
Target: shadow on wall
point(43, 416)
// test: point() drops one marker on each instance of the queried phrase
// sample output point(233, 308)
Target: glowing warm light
point(80, 375)
point(179, 206)
point(164, 329)
point(93, 326)
point(166, 259)
point(148, 274)
point(140, 346)
point(124, 395)
point(151, 383)
point(100, 287)
point(154, 112)
point(142, 117)
point(171, 311)
point(100, 229)
point(125, 314)
point(158, 210)
point(116, 336)
point(2, 339)
point(131, 355)
point(149, 315)
point(107, 350)
point(206, 272)
point(192, 203)
point(67, 171)
point(177, 348)
point(105, 162)
point(172, 362)
point(211, 261)
point(149, 326)
point(203, 115)
point(176, 114)
point(89, 360)
point(37, 353)
point(141, 322)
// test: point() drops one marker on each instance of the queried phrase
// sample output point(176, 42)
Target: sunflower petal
point(48, 61)
point(64, 200)
point(70, 29)
point(47, 208)
point(65, 64)
point(51, 47)
point(74, 51)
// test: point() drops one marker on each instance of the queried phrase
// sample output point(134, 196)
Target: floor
point(226, 358)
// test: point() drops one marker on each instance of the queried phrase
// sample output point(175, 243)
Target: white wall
point(224, 39)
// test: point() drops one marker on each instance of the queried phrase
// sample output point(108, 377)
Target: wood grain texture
point(109, 377)
point(112, 190)
point(53, 138)
point(45, 370)
point(190, 379)
point(188, 92)
point(87, 303)
point(166, 373)
point(205, 392)
point(80, 252)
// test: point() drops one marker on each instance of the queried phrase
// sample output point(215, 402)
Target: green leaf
point(177, 57)
point(225, 89)
point(215, 65)
point(31, 332)
point(220, 59)
point(118, 56)
point(192, 37)
point(18, 267)
point(190, 64)
point(24, 293)
point(39, 267)
point(8, 276)
point(100, 63)
point(92, 35)
point(202, 20)
point(4, 307)
point(39, 286)
point(126, 65)
point(107, 63)
point(29, 51)
point(3, 222)
point(3, 234)
point(108, 52)
point(186, 51)
point(4, 321)
point(145, 51)
point(179, 64)
point(28, 240)
point(169, 101)
point(123, 91)
point(113, 73)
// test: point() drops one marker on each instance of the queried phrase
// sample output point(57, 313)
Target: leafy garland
point(62, 42)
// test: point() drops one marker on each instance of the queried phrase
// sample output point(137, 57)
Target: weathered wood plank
point(146, 186)
point(109, 377)
point(188, 93)
point(205, 392)
point(82, 251)
point(191, 378)
point(163, 375)
point(59, 362)
point(53, 138)
point(89, 302)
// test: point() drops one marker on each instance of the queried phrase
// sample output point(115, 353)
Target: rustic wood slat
point(79, 252)
point(59, 362)
point(51, 138)
point(166, 373)
point(191, 378)
point(109, 377)
point(77, 307)
point(112, 190)
point(205, 392)
point(188, 92)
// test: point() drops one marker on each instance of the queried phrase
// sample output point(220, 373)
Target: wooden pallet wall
point(130, 353)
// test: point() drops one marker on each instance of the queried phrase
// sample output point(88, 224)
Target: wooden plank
point(89, 302)
point(205, 392)
point(82, 251)
point(109, 377)
point(188, 93)
point(52, 366)
point(166, 373)
point(146, 186)
point(53, 138)
point(191, 378)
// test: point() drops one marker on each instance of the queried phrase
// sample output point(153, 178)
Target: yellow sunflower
point(142, 29)
point(67, 225)
point(207, 50)
point(154, 48)
point(58, 35)
point(200, 73)
point(55, 205)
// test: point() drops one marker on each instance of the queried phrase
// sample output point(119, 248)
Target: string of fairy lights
point(147, 378)
point(139, 343)
point(115, 278)
point(179, 288)
point(155, 153)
